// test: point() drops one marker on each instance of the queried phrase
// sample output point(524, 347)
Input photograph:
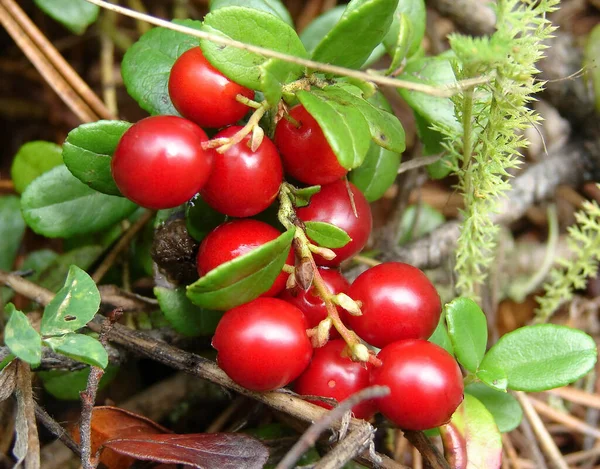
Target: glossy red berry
point(159, 162)
point(243, 183)
point(309, 302)
point(234, 239)
point(262, 345)
point(332, 374)
point(398, 302)
point(307, 156)
point(425, 382)
point(203, 94)
point(333, 205)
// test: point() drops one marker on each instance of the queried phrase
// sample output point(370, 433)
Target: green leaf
point(316, 31)
point(185, 317)
point(592, 64)
point(66, 385)
point(433, 109)
point(403, 42)
point(243, 67)
point(12, 228)
point(504, 407)
point(343, 125)
point(32, 160)
point(432, 145)
point(377, 173)
point(467, 327)
point(493, 377)
point(75, 15)
point(415, 13)
point(418, 221)
point(53, 276)
point(440, 335)
point(275, 7)
point(73, 306)
point(302, 196)
point(326, 235)
point(542, 357)
point(473, 427)
point(242, 279)
point(88, 150)
point(361, 28)
point(57, 204)
point(201, 218)
point(21, 338)
point(147, 65)
point(82, 348)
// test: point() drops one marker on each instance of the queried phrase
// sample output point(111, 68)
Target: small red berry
point(243, 183)
point(398, 302)
point(262, 345)
point(234, 239)
point(425, 382)
point(333, 205)
point(306, 153)
point(333, 374)
point(203, 94)
point(159, 162)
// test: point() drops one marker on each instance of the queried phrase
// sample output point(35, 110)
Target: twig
point(309, 438)
point(418, 163)
point(56, 429)
point(346, 449)
point(110, 259)
point(430, 453)
point(580, 456)
point(577, 396)
point(567, 420)
point(510, 451)
point(24, 393)
point(222, 419)
point(441, 91)
point(25, 287)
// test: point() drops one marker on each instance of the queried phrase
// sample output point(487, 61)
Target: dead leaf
point(8, 380)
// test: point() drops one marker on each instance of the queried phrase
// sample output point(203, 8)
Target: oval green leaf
point(75, 15)
point(377, 173)
point(244, 278)
point(185, 317)
point(467, 328)
point(12, 228)
point(440, 336)
point(275, 7)
point(503, 406)
point(541, 357)
point(415, 14)
point(66, 385)
point(316, 31)
point(326, 235)
point(32, 160)
point(82, 348)
point(240, 24)
point(21, 338)
point(147, 65)
point(57, 204)
point(88, 150)
point(495, 378)
point(418, 221)
point(73, 306)
point(363, 25)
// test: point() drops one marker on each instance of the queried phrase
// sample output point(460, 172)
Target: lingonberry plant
point(302, 142)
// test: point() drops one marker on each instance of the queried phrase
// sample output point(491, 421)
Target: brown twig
point(567, 420)
point(431, 455)
point(56, 429)
point(24, 394)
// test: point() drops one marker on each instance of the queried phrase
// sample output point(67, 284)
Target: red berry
point(234, 239)
point(425, 382)
point(332, 374)
point(398, 302)
point(203, 94)
point(159, 162)
point(262, 345)
point(306, 154)
point(309, 302)
point(243, 183)
point(332, 205)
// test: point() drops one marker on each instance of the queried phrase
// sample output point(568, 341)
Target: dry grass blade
point(567, 420)
point(578, 396)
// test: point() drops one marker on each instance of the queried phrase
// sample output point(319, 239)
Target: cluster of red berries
point(161, 162)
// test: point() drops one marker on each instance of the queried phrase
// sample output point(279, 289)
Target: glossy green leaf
point(361, 28)
point(57, 204)
point(473, 429)
point(275, 7)
point(242, 279)
point(185, 317)
point(147, 65)
point(403, 42)
point(201, 218)
point(66, 385)
point(592, 62)
point(73, 306)
point(32, 160)
point(493, 377)
point(240, 24)
point(53, 275)
point(343, 125)
point(316, 31)
point(415, 14)
point(88, 150)
point(542, 357)
point(377, 173)
point(82, 348)
point(274, 74)
point(21, 338)
point(467, 327)
point(12, 228)
point(326, 235)
point(433, 109)
point(503, 406)
point(75, 15)
point(418, 221)
point(440, 336)
point(302, 196)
